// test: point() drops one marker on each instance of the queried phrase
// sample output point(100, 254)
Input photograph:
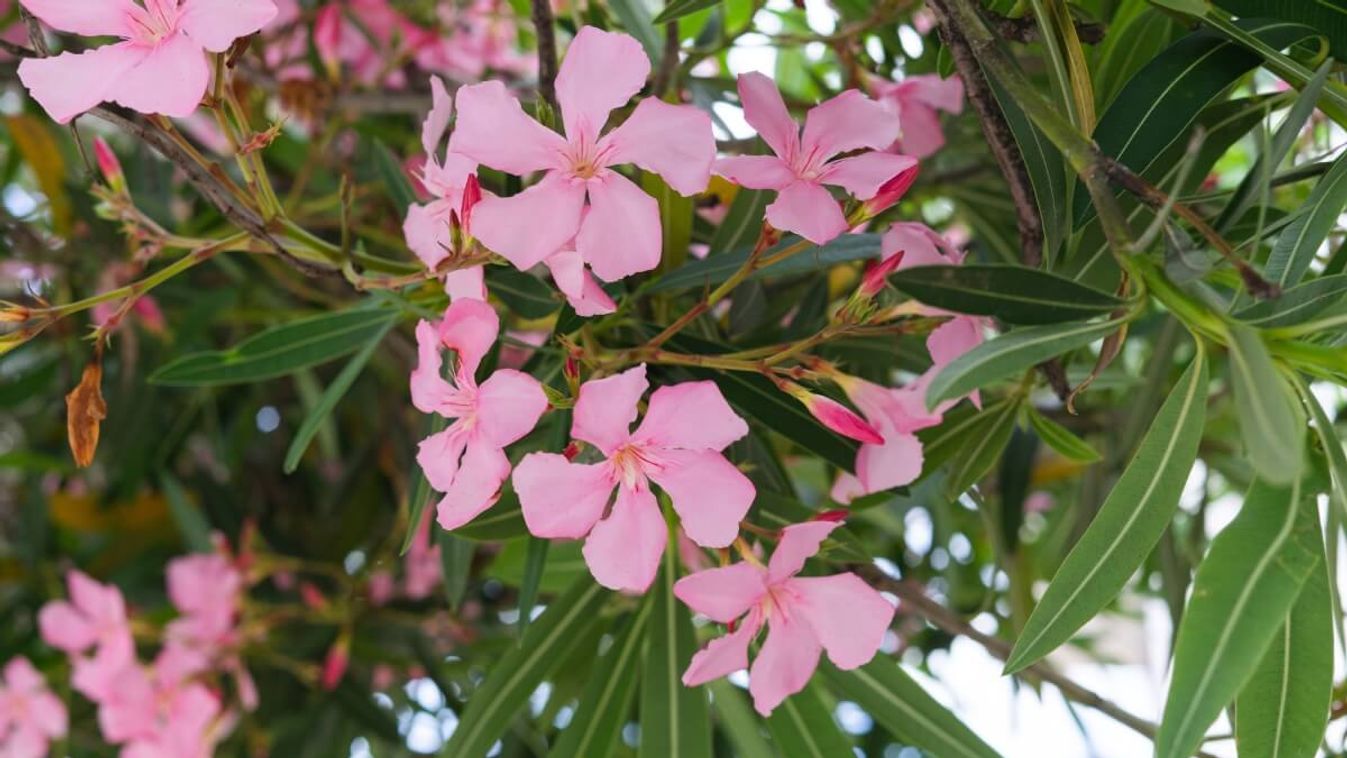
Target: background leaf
point(1013, 294)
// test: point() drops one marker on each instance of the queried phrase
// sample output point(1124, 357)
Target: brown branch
point(1024, 29)
point(544, 26)
point(915, 599)
point(668, 63)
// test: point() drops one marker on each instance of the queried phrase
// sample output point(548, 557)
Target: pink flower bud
point(834, 415)
point(109, 165)
point(837, 515)
point(877, 275)
point(472, 194)
point(312, 596)
point(890, 191)
point(334, 666)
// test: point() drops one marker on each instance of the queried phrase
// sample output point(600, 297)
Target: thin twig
point(1025, 29)
point(544, 26)
point(668, 63)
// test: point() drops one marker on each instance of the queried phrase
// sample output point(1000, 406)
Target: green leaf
point(191, 522)
point(802, 726)
point(455, 563)
point(1161, 101)
point(331, 396)
point(779, 511)
point(605, 705)
point(973, 460)
point(534, 563)
point(1269, 420)
point(674, 718)
point(1241, 596)
point(1327, 17)
point(680, 8)
point(279, 350)
point(516, 674)
point(394, 177)
point(1137, 33)
point(1298, 243)
point(503, 521)
point(1283, 709)
point(1061, 439)
point(1013, 294)
point(1047, 170)
point(524, 293)
point(1010, 353)
point(1297, 304)
point(742, 222)
point(635, 18)
point(756, 398)
point(714, 269)
point(1128, 524)
point(740, 724)
point(887, 693)
point(675, 220)
point(1255, 181)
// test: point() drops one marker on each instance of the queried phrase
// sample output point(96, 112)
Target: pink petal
point(953, 338)
point(476, 487)
point(21, 677)
point(48, 715)
point(601, 71)
point(215, 24)
point(892, 411)
point(171, 80)
point(922, 135)
point(438, 456)
point(509, 404)
point(606, 407)
point(101, 603)
point(426, 230)
point(87, 18)
point(581, 291)
point(847, 122)
point(798, 543)
point(766, 112)
point(552, 207)
point(494, 130)
point(437, 120)
point(561, 499)
point(722, 656)
point(690, 416)
point(846, 488)
point(722, 594)
point(710, 495)
point(469, 328)
point(25, 742)
point(921, 245)
point(847, 615)
point(893, 464)
point(674, 141)
point(840, 419)
point(945, 94)
point(620, 235)
point(785, 663)
point(808, 210)
point(71, 83)
point(755, 171)
point(430, 392)
point(466, 283)
point(624, 550)
point(864, 174)
point(64, 628)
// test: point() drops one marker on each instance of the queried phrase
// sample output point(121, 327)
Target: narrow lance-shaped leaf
point(1012, 352)
point(802, 726)
point(606, 702)
point(455, 562)
point(1128, 525)
point(1284, 707)
point(741, 726)
point(1013, 294)
point(493, 706)
point(1297, 304)
point(1298, 243)
point(1061, 439)
point(419, 489)
point(887, 693)
point(534, 563)
point(1241, 596)
point(1269, 420)
point(714, 269)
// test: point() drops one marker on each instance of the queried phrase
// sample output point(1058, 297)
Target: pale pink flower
point(919, 245)
point(677, 445)
point(427, 227)
point(897, 414)
point(368, 35)
point(159, 66)
point(163, 712)
point(207, 590)
point(620, 235)
point(481, 36)
point(30, 715)
point(467, 460)
point(422, 568)
point(917, 100)
point(94, 618)
point(803, 165)
point(805, 616)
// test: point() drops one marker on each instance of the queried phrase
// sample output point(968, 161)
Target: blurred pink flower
point(803, 165)
point(30, 715)
point(917, 100)
point(805, 616)
point(94, 618)
point(677, 445)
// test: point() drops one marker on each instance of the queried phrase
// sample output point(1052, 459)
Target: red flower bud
point(108, 164)
point(890, 191)
point(877, 274)
point(834, 415)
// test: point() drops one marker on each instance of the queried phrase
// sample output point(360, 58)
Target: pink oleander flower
point(94, 618)
point(620, 234)
point(427, 227)
point(422, 569)
point(677, 446)
point(917, 100)
point(368, 36)
point(919, 245)
point(30, 715)
point(207, 590)
point(159, 66)
point(467, 460)
point(479, 36)
point(803, 165)
point(805, 616)
point(897, 414)
point(163, 712)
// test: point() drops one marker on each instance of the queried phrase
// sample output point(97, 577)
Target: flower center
point(587, 158)
point(630, 463)
point(157, 21)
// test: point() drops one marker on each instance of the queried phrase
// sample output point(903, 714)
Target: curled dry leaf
point(85, 411)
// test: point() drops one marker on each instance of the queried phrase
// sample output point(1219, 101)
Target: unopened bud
point(109, 166)
point(472, 194)
point(261, 140)
point(876, 275)
point(338, 658)
point(889, 192)
point(836, 515)
point(834, 415)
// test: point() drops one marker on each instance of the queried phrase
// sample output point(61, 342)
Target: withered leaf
point(85, 411)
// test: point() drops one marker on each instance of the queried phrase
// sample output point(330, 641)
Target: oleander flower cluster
point(637, 457)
